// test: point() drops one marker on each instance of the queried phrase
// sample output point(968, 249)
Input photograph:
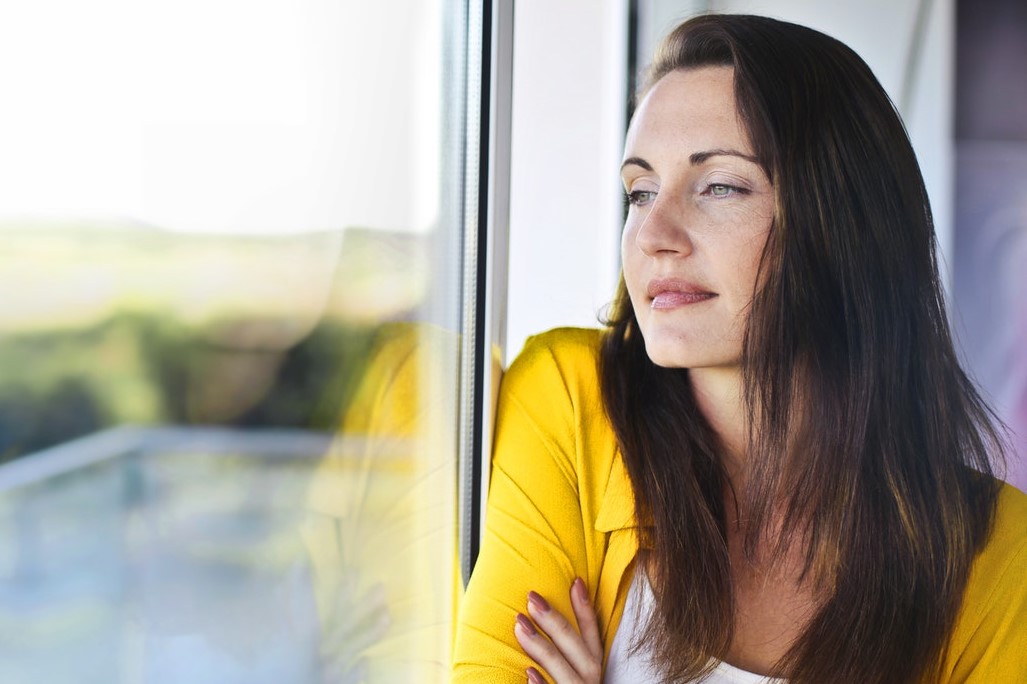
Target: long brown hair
point(864, 431)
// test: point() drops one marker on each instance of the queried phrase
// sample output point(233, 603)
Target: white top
point(626, 667)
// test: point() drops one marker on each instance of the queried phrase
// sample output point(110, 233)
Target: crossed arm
point(549, 475)
point(570, 655)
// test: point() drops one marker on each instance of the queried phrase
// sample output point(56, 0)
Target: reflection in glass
point(228, 359)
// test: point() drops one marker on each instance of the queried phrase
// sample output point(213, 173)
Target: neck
point(718, 394)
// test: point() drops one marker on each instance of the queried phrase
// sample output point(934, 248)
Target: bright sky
point(223, 116)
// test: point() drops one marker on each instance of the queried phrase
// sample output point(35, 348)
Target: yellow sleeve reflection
point(382, 526)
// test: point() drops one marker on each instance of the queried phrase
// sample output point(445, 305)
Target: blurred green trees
point(109, 324)
point(147, 369)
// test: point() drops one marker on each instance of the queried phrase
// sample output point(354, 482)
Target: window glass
point(230, 262)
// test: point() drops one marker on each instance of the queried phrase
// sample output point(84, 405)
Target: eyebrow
point(636, 161)
point(694, 159)
point(699, 157)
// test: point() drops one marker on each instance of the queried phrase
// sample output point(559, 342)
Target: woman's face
point(700, 211)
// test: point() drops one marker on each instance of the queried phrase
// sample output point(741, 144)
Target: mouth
point(672, 293)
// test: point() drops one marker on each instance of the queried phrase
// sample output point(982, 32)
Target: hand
point(569, 655)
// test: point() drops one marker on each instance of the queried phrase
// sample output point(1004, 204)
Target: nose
point(662, 230)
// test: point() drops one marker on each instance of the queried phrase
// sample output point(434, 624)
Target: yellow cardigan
point(560, 506)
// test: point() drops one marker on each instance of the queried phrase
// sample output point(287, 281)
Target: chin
point(669, 354)
point(673, 352)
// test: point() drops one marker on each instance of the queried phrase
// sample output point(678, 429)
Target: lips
point(672, 293)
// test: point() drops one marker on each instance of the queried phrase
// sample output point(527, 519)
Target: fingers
point(544, 652)
point(588, 625)
point(570, 654)
point(565, 637)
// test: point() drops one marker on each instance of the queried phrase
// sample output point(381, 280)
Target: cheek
point(631, 259)
point(627, 240)
point(744, 268)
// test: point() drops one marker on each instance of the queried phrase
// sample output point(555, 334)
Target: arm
point(535, 538)
point(571, 655)
point(997, 650)
point(990, 640)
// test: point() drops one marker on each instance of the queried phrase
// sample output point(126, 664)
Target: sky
point(222, 116)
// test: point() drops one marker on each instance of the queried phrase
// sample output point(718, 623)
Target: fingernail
point(534, 677)
point(526, 624)
point(579, 587)
point(540, 603)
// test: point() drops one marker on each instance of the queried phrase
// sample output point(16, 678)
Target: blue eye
point(639, 197)
point(723, 190)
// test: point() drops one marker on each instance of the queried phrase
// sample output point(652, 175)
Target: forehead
point(694, 108)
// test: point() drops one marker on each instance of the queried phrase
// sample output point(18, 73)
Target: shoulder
point(1006, 548)
point(987, 643)
point(551, 395)
point(1004, 555)
point(563, 360)
point(1010, 518)
point(564, 346)
point(1007, 542)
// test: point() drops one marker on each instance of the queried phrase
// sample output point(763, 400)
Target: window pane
point(231, 272)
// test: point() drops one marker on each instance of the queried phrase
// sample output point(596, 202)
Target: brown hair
point(864, 430)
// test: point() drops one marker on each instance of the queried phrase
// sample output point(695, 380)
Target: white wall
point(569, 85)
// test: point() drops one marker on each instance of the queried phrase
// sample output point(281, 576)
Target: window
point(233, 274)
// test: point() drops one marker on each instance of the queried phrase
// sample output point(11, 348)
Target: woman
point(771, 453)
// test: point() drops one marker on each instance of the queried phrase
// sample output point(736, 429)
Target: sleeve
point(990, 640)
point(534, 534)
point(380, 521)
point(996, 651)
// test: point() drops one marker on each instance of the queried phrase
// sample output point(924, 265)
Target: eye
point(639, 197)
point(723, 190)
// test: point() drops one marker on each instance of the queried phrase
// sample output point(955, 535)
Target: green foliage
point(151, 368)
